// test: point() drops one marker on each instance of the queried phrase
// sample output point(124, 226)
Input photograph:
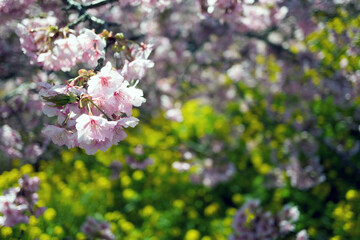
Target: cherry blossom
point(16, 204)
point(93, 115)
point(95, 229)
point(106, 82)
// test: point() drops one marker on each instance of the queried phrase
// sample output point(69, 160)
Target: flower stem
point(107, 116)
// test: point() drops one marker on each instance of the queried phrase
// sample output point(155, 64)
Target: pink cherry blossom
point(32, 34)
point(60, 136)
point(95, 229)
point(48, 60)
point(12, 9)
point(92, 47)
point(302, 235)
point(16, 204)
point(66, 50)
point(10, 141)
point(128, 122)
point(105, 82)
point(136, 69)
point(91, 128)
point(12, 213)
point(33, 151)
point(95, 145)
point(125, 97)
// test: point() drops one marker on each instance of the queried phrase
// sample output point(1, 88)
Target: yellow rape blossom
point(58, 230)
point(6, 232)
point(49, 214)
point(192, 234)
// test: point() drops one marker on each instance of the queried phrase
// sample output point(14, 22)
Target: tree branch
point(263, 37)
point(83, 15)
point(97, 3)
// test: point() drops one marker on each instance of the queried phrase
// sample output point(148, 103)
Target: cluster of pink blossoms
point(20, 118)
point(17, 204)
point(11, 9)
point(97, 230)
point(59, 49)
point(212, 172)
point(246, 15)
point(93, 114)
point(251, 222)
point(10, 141)
point(92, 109)
point(150, 5)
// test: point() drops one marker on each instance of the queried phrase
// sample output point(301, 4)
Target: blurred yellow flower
point(34, 232)
point(351, 195)
point(80, 236)
point(58, 230)
point(138, 175)
point(192, 234)
point(45, 236)
point(49, 214)
point(26, 169)
point(6, 231)
point(125, 225)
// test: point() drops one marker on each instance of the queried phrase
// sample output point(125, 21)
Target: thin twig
point(107, 116)
point(82, 18)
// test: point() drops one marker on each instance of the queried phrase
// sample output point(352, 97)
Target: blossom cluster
point(59, 49)
point(303, 167)
point(11, 143)
point(245, 15)
point(92, 110)
point(17, 204)
point(251, 222)
point(213, 172)
point(149, 5)
point(305, 177)
point(13, 146)
point(95, 229)
point(21, 119)
point(10, 9)
point(135, 164)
